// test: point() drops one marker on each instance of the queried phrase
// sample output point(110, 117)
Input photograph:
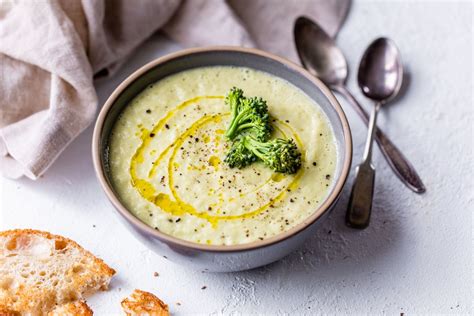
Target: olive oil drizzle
point(179, 207)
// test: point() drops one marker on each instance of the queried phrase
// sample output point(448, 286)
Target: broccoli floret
point(239, 156)
point(233, 99)
point(279, 154)
point(250, 129)
point(248, 114)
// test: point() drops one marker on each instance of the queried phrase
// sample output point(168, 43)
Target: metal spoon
point(380, 78)
point(320, 55)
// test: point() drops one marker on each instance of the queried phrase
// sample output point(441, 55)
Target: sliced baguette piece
point(77, 308)
point(39, 271)
point(141, 303)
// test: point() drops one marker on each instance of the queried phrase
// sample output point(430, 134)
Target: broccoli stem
point(235, 124)
point(258, 148)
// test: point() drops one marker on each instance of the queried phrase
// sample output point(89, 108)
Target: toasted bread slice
point(77, 308)
point(141, 303)
point(39, 271)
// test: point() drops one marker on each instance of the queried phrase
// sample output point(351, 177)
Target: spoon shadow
point(407, 79)
point(400, 98)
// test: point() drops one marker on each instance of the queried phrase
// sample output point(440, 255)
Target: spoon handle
point(396, 160)
point(362, 194)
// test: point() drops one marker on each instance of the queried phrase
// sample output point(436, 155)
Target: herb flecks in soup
point(168, 148)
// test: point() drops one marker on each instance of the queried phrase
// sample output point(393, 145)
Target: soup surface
point(167, 151)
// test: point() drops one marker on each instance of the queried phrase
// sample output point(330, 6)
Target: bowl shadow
point(335, 244)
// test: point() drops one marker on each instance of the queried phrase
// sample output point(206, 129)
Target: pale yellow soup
point(167, 151)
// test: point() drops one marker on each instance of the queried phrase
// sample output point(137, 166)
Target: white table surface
point(417, 255)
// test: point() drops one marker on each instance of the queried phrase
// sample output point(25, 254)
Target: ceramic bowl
point(211, 257)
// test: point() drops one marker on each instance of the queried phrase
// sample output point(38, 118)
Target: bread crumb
point(144, 303)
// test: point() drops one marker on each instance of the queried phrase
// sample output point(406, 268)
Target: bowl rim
point(175, 241)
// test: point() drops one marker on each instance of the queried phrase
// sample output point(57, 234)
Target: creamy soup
point(167, 151)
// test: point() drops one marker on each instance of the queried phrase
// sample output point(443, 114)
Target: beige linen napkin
point(51, 50)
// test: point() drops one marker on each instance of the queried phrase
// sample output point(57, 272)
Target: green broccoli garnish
point(250, 129)
point(239, 156)
point(279, 154)
point(248, 114)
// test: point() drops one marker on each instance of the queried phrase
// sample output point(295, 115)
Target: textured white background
point(417, 255)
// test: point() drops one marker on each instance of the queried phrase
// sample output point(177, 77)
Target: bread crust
point(5, 312)
point(77, 308)
point(33, 263)
point(144, 304)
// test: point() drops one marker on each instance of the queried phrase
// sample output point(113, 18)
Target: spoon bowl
point(320, 55)
point(318, 52)
point(380, 71)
